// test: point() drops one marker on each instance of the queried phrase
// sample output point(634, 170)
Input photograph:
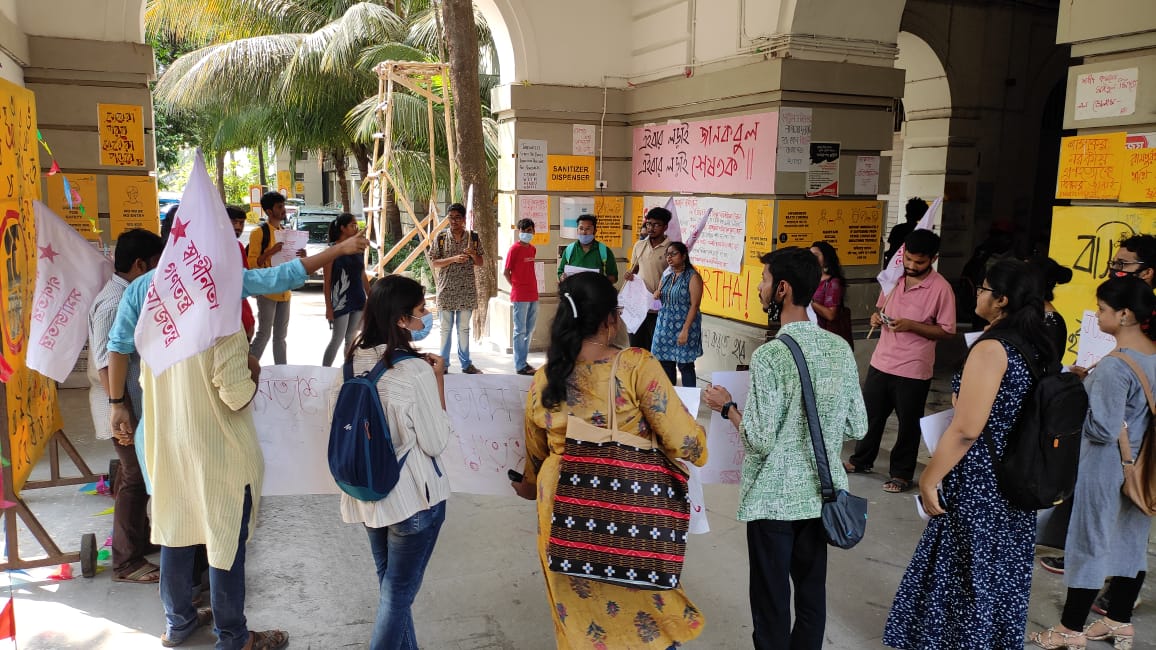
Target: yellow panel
point(610, 212)
point(733, 295)
point(570, 173)
point(854, 228)
point(1139, 185)
point(121, 135)
point(82, 210)
point(132, 203)
point(1091, 166)
point(760, 230)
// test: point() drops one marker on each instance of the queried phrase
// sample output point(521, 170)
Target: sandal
point(145, 574)
point(1053, 639)
point(267, 640)
point(851, 468)
point(1109, 631)
point(896, 485)
point(204, 617)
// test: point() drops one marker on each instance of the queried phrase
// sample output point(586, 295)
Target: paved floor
point(312, 575)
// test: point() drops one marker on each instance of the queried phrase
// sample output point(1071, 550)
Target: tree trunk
point(219, 162)
point(261, 167)
point(361, 152)
point(461, 36)
point(392, 215)
point(340, 164)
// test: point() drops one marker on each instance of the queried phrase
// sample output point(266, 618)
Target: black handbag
point(844, 515)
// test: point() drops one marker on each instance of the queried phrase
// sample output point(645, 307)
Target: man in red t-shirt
point(523, 293)
point(237, 217)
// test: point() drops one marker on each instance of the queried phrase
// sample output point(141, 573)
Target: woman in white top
point(403, 527)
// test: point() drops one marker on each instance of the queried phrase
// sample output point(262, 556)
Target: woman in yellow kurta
point(590, 614)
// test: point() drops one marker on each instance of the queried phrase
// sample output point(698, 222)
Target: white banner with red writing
point(69, 274)
point(195, 294)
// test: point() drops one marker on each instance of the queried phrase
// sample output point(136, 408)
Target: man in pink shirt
point(918, 312)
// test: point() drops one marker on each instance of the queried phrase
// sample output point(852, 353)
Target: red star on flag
point(178, 230)
point(46, 253)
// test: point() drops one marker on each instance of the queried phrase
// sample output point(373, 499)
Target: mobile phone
point(514, 476)
point(887, 320)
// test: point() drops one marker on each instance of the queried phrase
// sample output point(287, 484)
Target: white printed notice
point(720, 246)
point(867, 175)
point(531, 164)
point(487, 413)
point(724, 446)
point(584, 139)
point(291, 412)
point(1110, 93)
point(691, 397)
point(1094, 343)
point(540, 276)
point(823, 170)
point(635, 301)
point(794, 148)
point(291, 241)
point(569, 209)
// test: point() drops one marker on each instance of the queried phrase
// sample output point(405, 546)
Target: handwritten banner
point(570, 173)
point(724, 444)
point(1095, 344)
point(731, 155)
point(733, 295)
point(1139, 185)
point(794, 139)
point(532, 165)
point(487, 413)
point(720, 246)
point(853, 227)
point(121, 128)
point(610, 211)
point(292, 412)
point(536, 207)
point(583, 139)
point(1091, 166)
point(1111, 93)
point(132, 203)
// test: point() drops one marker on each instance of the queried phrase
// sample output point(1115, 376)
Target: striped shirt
point(100, 320)
point(779, 479)
point(417, 424)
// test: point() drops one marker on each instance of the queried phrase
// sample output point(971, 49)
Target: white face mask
point(525, 237)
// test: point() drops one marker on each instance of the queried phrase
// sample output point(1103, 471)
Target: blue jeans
point(446, 320)
point(689, 376)
point(525, 317)
point(226, 590)
point(401, 552)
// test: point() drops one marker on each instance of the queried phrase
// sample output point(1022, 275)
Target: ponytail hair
point(335, 226)
point(1023, 315)
point(1131, 293)
point(586, 300)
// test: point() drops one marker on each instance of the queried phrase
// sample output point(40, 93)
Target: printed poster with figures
point(132, 202)
point(121, 131)
point(760, 231)
point(83, 206)
point(854, 228)
point(610, 211)
point(32, 412)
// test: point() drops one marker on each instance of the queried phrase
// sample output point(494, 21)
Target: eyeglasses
point(671, 254)
point(652, 224)
point(1118, 265)
point(980, 289)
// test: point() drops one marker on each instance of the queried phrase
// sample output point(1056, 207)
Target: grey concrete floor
point(312, 575)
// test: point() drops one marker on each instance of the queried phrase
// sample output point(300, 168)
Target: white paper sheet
point(291, 241)
point(932, 426)
point(487, 413)
point(635, 301)
point(291, 412)
point(725, 460)
point(691, 398)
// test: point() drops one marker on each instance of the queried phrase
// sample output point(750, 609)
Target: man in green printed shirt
point(779, 497)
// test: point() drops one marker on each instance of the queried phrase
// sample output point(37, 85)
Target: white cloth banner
point(635, 301)
point(195, 294)
point(725, 459)
point(487, 413)
point(69, 274)
point(291, 412)
point(889, 277)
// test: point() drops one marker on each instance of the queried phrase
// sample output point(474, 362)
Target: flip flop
point(851, 468)
point(145, 574)
point(896, 485)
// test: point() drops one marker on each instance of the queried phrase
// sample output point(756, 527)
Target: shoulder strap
point(568, 252)
point(265, 235)
point(602, 254)
point(816, 427)
point(1140, 374)
point(612, 394)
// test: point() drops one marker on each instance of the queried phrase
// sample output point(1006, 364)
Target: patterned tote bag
point(621, 511)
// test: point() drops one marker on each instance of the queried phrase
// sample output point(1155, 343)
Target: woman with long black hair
point(345, 286)
point(828, 299)
point(574, 382)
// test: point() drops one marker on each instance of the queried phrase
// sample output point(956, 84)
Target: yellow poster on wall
point(1091, 166)
point(610, 211)
point(760, 231)
point(132, 203)
point(1139, 184)
point(83, 190)
point(32, 410)
point(121, 129)
point(733, 295)
point(1085, 239)
point(570, 173)
point(637, 214)
point(285, 182)
point(854, 228)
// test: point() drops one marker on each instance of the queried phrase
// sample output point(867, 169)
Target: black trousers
point(782, 553)
point(645, 334)
point(882, 394)
point(1122, 593)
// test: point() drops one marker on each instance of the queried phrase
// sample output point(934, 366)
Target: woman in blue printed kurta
point(678, 331)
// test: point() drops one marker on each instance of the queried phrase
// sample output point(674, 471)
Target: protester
point(237, 217)
point(137, 251)
point(917, 313)
point(272, 308)
point(827, 302)
point(968, 583)
point(1108, 534)
point(780, 495)
point(913, 212)
point(345, 285)
point(1053, 274)
point(648, 261)
point(403, 527)
point(677, 340)
point(573, 382)
point(519, 272)
point(588, 253)
point(454, 255)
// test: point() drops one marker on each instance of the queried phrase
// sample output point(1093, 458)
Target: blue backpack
point(361, 454)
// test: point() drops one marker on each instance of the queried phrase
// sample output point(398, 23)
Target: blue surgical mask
point(525, 237)
point(426, 326)
point(585, 239)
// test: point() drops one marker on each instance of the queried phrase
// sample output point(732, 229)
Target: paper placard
point(635, 302)
point(132, 203)
point(823, 170)
point(867, 175)
point(1110, 93)
point(583, 139)
point(487, 413)
point(540, 276)
point(730, 155)
point(854, 228)
point(570, 173)
point(121, 135)
point(691, 398)
point(794, 148)
point(1091, 166)
point(932, 427)
point(724, 445)
point(291, 412)
point(722, 242)
point(83, 187)
point(291, 241)
point(1094, 343)
point(537, 208)
point(610, 211)
point(1139, 184)
point(531, 165)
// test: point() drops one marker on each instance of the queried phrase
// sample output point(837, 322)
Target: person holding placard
point(648, 261)
point(587, 252)
point(273, 308)
point(677, 340)
point(523, 281)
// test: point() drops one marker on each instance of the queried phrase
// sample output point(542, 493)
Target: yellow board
point(121, 128)
point(84, 187)
point(1085, 239)
point(610, 211)
point(570, 173)
point(637, 214)
point(132, 203)
point(1091, 166)
point(1139, 185)
point(285, 182)
point(299, 189)
point(733, 295)
point(32, 410)
point(854, 228)
point(760, 231)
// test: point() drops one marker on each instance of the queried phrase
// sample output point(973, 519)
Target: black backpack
point(1038, 467)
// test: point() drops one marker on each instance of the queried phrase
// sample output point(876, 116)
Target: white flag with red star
point(194, 296)
point(69, 274)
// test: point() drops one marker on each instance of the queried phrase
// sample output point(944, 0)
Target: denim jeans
point(446, 320)
point(525, 317)
point(226, 590)
point(401, 552)
point(272, 321)
point(689, 376)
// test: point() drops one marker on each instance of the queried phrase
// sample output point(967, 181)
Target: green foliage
point(419, 270)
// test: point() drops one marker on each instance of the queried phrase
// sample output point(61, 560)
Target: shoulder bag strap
point(612, 393)
point(821, 463)
point(1124, 443)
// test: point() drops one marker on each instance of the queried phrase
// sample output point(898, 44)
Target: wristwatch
point(119, 400)
point(726, 409)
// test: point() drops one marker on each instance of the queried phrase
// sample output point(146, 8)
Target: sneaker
point(1101, 604)
point(1053, 564)
point(471, 370)
point(527, 370)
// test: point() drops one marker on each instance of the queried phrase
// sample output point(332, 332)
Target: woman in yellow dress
point(590, 614)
